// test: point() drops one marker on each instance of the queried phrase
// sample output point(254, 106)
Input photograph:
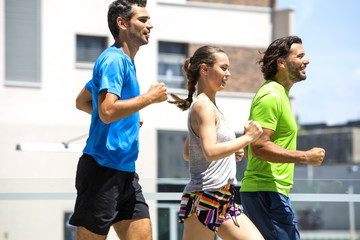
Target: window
point(171, 59)
point(22, 43)
point(170, 152)
point(89, 48)
point(169, 227)
point(70, 230)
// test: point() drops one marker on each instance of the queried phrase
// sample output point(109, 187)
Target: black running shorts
point(106, 196)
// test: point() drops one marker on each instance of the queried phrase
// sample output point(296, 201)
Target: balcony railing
point(40, 208)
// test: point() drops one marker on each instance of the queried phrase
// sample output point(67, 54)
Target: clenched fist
point(239, 155)
point(315, 156)
point(253, 130)
point(157, 92)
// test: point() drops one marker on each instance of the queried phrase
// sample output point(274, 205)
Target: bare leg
point(247, 230)
point(84, 234)
point(193, 229)
point(135, 229)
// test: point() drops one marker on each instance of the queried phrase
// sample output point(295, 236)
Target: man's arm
point(246, 149)
point(112, 109)
point(84, 101)
point(265, 149)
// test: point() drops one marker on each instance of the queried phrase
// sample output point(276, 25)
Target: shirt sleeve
point(267, 111)
point(88, 85)
point(112, 75)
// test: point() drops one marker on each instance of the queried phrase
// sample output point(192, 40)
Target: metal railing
point(326, 209)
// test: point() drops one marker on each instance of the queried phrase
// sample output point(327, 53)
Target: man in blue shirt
point(108, 192)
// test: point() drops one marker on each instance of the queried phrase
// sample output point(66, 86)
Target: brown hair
point(191, 69)
point(280, 48)
point(123, 9)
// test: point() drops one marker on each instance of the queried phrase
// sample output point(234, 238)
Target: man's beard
point(138, 38)
point(295, 74)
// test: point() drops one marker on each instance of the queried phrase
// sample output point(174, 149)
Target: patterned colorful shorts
point(211, 208)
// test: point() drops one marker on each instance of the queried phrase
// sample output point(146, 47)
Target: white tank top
point(205, 175)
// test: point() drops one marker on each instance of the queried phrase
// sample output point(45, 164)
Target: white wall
point(211, 23)
point(2, 39)
point(284, 22)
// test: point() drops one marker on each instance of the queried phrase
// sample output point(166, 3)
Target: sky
point(330, 30)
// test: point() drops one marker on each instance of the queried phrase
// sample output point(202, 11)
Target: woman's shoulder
point(202, 104)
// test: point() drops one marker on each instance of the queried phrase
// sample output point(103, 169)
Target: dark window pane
point(88, 48)
point(170, 47)
point(163, 223)
point(171, 59)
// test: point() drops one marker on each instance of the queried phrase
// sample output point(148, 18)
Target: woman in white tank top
point(208, 206)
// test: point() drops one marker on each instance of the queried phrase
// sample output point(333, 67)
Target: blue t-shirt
point(88, 85)
point(114, 145)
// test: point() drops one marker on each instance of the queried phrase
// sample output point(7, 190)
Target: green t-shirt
point(271, 108)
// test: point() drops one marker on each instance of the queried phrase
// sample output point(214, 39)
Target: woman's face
point(219, 73)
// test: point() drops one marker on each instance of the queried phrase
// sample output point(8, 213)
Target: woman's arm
point(203, 121)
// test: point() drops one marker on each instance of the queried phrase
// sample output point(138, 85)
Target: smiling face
point(219, 73)
point(139, 26)
point(296, 63)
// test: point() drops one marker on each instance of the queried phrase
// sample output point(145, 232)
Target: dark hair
point(280, 48)
point(123, 9)
point(191, 69)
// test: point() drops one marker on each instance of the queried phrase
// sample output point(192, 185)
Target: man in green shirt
point(269, 175)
